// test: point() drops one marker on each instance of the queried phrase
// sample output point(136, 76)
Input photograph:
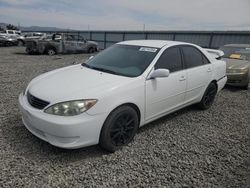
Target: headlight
point(71, 108)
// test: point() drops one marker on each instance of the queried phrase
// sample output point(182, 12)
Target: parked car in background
point(106, 99)
point(33, 35)
point(8, 40)
point(14, 35)
point(61, 43)
point(10, 32)
point(237, 57)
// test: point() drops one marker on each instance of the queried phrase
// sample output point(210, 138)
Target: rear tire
point(91, 50)
point(208, 97)
point(246, 87)
point(119, 128)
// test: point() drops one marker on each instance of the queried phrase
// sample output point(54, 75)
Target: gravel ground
point(189, 148)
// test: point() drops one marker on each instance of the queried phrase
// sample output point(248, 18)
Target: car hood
point(93, 42)
point(74, 82)
point(236, 63)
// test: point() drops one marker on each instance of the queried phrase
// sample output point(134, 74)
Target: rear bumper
point(221, 83)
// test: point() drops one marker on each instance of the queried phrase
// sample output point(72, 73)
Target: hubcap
point(210, 95)
point(122, 129)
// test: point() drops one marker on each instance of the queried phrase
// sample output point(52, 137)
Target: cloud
point(129, 15)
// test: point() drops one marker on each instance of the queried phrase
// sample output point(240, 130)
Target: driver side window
point(170, 59)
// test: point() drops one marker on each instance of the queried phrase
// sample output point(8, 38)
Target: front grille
point(36, 102)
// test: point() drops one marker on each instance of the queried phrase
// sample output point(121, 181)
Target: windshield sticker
point(235, 56)
point(147, 49)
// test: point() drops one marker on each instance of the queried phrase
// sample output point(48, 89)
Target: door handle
point(182, 78)
point(209, 70)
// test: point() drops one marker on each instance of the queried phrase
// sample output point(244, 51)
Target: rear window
point(192, 56)
point(241, 53)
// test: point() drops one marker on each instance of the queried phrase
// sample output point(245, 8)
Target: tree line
point(9, 27)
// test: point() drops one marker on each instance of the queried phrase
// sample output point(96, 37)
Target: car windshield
point(125, 60)
point(241, 53)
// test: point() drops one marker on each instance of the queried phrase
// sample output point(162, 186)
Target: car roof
point(151, 43)
point(238, 45)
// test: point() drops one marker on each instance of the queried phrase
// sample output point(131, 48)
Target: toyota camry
point(107, 98)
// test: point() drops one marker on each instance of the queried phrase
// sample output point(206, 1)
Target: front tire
point(8, 44)
point(51, 52)
point(20, 43)
point(208, 97)
point(119, 128)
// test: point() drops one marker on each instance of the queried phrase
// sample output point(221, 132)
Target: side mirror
point(159, 73)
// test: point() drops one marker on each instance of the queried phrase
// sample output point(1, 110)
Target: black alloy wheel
point(122, 129)
point(119, 128)
point(208, 97)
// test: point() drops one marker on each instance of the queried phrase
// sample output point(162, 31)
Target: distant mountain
point(39, 28)
point(36, 28)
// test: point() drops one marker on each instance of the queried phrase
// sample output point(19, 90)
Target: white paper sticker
point(148, 49)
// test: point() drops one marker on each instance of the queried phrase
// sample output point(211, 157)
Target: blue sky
point(129, 15)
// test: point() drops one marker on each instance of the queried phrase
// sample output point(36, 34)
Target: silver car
point(237, 57)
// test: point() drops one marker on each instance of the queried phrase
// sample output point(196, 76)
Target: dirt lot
point(189, 148)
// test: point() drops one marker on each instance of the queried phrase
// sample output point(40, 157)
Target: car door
point(81, 44)
point(199, 72)
point(166, 94)
point(70, 44)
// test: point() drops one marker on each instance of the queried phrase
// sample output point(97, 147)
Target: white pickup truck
point(14, 35)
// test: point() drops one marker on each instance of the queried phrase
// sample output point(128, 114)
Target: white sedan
point(106, 99)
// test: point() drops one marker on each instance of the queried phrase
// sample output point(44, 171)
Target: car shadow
point(167, 118)
point(234, 88)
point(23, 143)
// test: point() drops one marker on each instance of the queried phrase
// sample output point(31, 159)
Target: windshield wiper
point(86, 65)
point(102, 69)
point(106, 70)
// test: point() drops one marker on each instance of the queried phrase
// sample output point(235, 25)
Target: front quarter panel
point(130, 92)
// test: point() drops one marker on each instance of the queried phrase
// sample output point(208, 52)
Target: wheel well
point(215, 82)
point(132, 105)
point(91, 47)
point(50, 47)
point(135, 107)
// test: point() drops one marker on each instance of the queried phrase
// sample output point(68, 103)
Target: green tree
point(11, 27)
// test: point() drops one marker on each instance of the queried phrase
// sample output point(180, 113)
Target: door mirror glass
point(159, 73)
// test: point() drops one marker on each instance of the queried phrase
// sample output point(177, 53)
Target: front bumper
point(237, 79)
point(32, 49)
point(64, 132)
